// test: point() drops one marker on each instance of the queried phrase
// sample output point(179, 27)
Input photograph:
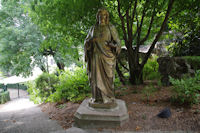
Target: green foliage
point(188, 45)
point(150, 70)
point(186, 21)
point(69, 85)
point(19, 40)
point(194, 61)
point(74, 86)
point(4, 97)
point(117, 82)
point(148, 91)
point(186, 90)
point(46, 84)
point(64, 25)
point(34, 93)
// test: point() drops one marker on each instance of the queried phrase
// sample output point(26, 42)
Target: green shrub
point(194, 61)
point(34, 93)
point(186, 90)
point(150, 70)
point(117, 82)
point(69, 85)
point(4, 97)
point(46, 84)
point(74, 86)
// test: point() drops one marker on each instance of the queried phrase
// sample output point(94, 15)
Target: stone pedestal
point(88, 117)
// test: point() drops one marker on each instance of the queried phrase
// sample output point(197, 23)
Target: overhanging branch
point(159, 33)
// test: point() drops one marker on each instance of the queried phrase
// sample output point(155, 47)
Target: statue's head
point(102, 17)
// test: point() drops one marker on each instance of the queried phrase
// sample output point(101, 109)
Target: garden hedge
point(4, 96)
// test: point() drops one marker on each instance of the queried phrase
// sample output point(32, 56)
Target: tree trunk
point(121, 76)
point(42, 68)
point(135, 70)
point(137, 76)
point(60, 65)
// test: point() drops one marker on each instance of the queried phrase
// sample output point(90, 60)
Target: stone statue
point(102, 46)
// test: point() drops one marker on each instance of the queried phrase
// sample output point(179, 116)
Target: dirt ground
point(142, 112)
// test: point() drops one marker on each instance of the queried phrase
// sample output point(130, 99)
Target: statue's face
point(103, 18)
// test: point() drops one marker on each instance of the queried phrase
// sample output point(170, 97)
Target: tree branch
point(140, 27)
point(150, 26)
point(133, 15)
point(137, 24)
point(127, 23)
point(159, 33)
point(122, 65)
point(122, 21)
point(121, 76)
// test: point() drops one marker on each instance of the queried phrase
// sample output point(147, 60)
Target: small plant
point(159, 83)
point(144, 117)
point(148, 91)
point(150, 70)
point(61, 106)
point(186, 90)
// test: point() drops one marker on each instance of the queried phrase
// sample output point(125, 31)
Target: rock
point(175, 67)
point(165, 113)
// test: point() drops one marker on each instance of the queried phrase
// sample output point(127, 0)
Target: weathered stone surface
point(87, 117)
point(175, 67)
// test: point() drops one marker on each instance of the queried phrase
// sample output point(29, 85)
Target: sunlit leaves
point(19, 40)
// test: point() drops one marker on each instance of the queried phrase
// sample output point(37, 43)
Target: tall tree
point(140, 20)
point(19, 40)
point(64, 25)
point(186, 21)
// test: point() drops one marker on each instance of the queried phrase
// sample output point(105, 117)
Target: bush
point(46, 84)
point(188, 45)
point(69, 85)
point(186, 90)
point(4, 97)
point(194, 61)
point(150, 70)
point(34, 93)
point(74, 86)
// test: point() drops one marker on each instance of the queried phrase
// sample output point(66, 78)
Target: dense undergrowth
point(186, 90)
point(69, 86)
point(74, 85)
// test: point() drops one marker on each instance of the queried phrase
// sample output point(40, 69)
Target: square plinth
point(88, 117)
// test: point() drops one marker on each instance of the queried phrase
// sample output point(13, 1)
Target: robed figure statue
point(102, 46)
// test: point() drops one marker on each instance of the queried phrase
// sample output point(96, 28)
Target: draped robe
point(101, 61)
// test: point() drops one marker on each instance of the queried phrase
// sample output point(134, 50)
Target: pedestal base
point(88, 117)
